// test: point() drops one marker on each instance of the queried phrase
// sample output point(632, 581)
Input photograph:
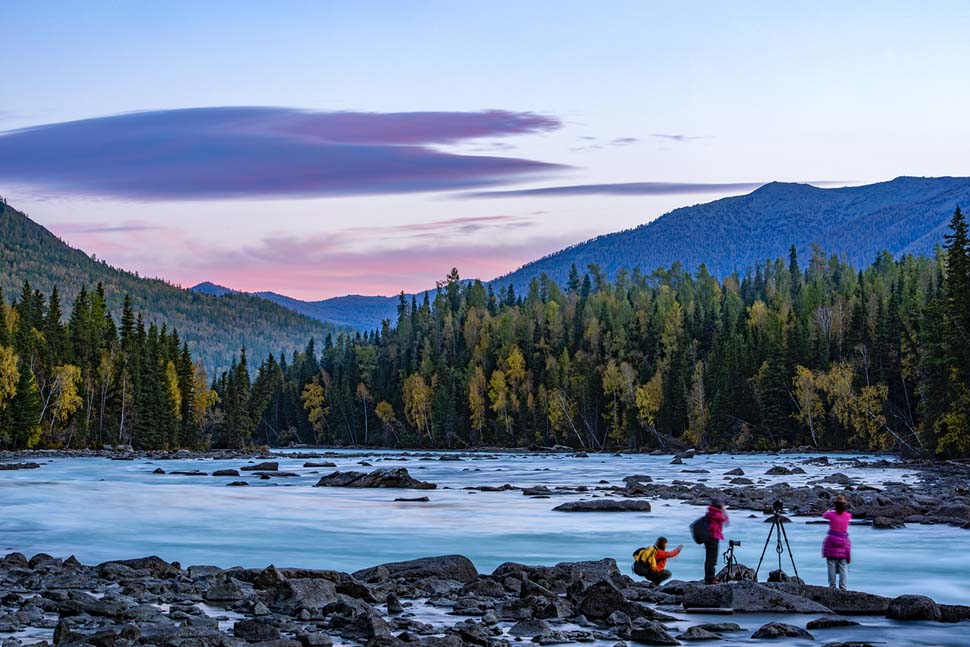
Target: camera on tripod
point(733, 542)
point(778, 506)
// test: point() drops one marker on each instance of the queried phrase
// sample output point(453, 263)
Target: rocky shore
point(431, 602)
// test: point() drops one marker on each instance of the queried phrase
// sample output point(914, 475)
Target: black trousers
point(710, 559)
point(658, 576)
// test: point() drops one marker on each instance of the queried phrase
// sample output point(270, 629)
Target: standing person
point(717, 518)
point(837, 549)
point(651, 562)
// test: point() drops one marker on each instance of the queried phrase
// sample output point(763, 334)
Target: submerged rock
point(605, 505)
point(389, 477)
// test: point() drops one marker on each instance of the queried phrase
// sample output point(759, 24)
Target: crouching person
point(651, 562)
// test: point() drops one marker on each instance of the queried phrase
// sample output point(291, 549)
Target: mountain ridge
point(215, 328)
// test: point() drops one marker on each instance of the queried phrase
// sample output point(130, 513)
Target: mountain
point(907, 215)
point(214, 327)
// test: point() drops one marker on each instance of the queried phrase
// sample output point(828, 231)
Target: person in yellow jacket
point(651, 562)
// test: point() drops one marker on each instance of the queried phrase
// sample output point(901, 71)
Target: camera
point(732, 543)
point(778, 506)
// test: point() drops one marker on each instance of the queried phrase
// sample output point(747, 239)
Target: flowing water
point(99, 509)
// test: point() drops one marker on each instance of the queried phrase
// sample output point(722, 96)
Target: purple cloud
point(246, 152)
point(622, 188)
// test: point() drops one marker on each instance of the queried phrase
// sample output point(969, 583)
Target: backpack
point(700, 530)
point(645, 560)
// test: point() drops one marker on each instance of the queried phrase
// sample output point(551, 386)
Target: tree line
point(794, 352)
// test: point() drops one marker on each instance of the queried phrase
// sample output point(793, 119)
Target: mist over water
point(98, 509)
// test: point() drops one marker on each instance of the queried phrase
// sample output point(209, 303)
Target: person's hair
point(717, 502)
point(840, 506)
point(661, 542)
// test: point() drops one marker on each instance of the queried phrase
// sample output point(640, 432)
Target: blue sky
point(684, 94)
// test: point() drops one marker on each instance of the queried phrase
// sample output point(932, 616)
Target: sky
point(325, 148)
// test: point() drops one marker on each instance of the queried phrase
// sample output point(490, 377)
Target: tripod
point(731, 570)
point(778, 529)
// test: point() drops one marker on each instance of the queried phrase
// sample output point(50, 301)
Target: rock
point(417, 499)
point(153, 564)
point(830, 623)
point(388, 477)
point(721, 627)
point(774, 630)
point(737, 471)
point(269, 466)
point(697, 634)
point(255, 631)
point(448, 567)
point(314, 639)
point(158, 470)
point(226, 473)
point(652, 633)
point(269, 578)
point(19, 466)
point(530, 627)
point(738, 573)
point(677, 461)
point(324, 464)
point(913, 607)
point(310, 594)
point(838, 478)
point(885, 523)
point(605, 505)
point(839, 601)
point(779, 470)
point(537, 490)
point(237, 483)
point(748, 597)
point(602, 599)
point(225, 589)
point(954, 612)
point(394, 606)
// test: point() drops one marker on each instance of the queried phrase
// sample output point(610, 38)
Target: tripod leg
point(791, 555)
point(763, 551)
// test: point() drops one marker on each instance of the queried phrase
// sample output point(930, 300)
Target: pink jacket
point(837, 544)
point(717, 519)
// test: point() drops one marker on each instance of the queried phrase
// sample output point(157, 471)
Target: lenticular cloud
point(239, 152)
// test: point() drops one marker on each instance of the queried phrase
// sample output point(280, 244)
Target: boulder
point(885, 523)
point(530, 627)
point(721, 627)
point(447, 567)
point(696, 634)
point(310, 594)
point(954, 612)
point(830, 623)
point(748, 597)
point(254, 631)
point(388, 477)
point(774, 630)
point(314, 639)
point(913, 607)
point(324, 464)
point(268, 466)
point(226, 473)
point(779, 470)
point(838, 601)
point(153, 564)
point(605, 505)
point(737, 471)
point(651, 633)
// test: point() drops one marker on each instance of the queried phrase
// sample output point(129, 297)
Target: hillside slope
point(905, 215)
point(215, 327)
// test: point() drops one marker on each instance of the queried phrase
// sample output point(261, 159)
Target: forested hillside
point(798, 351)
point(215, 328)
point(907, 215)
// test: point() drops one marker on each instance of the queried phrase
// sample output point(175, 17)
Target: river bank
point(430, 602)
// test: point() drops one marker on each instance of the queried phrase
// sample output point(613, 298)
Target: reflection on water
point(98, 509)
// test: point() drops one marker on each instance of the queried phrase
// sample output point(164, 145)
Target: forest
point(796, 352)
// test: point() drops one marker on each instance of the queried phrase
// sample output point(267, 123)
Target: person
point(717, 518)
point(651, 562)
point(837, 549)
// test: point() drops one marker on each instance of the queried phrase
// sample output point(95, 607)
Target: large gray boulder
point(388, 477)
point(748, 597)
point(846, 603)
point(651, 633)
point(309, 594)
point(605, 505)
point(913, 607)
point(446, 567)
point(774, 630)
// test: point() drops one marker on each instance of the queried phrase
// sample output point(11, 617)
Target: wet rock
point(449, 567)
point(158, 470)
point(839, 601)
point(698, 634)
point(605, 505)
point(314, 639)
point(779, 470)
point(651, 633)
point(885, 523)
point(774, 630)
point(838, 479)
point(324, 464)
point(269, 578)
point(417, 499)
point(954, 612)
point(913, 607)
point(268, 466)
point(748, 597)
point(530, 627)
point(18, 466)
point(537, 490)
point(737, 471)
point(736, 574)
point(237, 483)
point(394, 605)
point(397, 477)
point(721, 627)
point(255, 631)
point(226, 473)
point(830, 623)
point(303, 594)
